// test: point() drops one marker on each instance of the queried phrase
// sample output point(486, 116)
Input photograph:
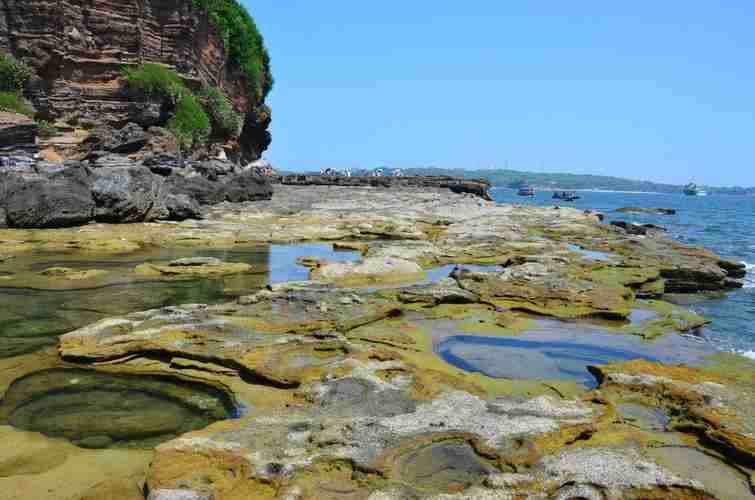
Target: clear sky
point(658, 90)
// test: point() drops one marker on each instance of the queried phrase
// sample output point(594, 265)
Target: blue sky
point(663, 91)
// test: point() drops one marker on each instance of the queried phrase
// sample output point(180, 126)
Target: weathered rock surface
point(476, 187)
point(115, 189)
point(341, 393)
point(78, 50)
point(17, 132)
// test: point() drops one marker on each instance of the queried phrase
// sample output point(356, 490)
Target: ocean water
point(724, 224)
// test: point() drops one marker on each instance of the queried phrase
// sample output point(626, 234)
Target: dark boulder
point(215, 170)
point(197, 188)
point(128, 194)
point(127, 140)
point(642, 210)
point(60, 199)
point(247, 186)
point(181, 207)
point(162, 163)
point(637, 229)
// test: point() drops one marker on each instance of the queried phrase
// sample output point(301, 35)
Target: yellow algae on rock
point(72, 274)
point(193, 267)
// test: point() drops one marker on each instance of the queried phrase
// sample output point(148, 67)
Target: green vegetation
point(47, 129)
point(155, 80)
point(514, 178)
point(190, 124)
point(243, 41)
point(14, 74)
point(13, 102)
point(225, 120)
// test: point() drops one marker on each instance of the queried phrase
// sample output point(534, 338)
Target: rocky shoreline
point(477, 187)
point(337, 388)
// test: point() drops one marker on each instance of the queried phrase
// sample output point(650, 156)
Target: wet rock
point(736, 270)
point(444, 466)
point(637, 229)
point(716, 403)
point(96, 410)
point(72, 274)
point(641, 210)
point(95, 442)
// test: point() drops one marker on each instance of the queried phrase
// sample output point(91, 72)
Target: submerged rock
point(641, 210)
point(98, 410)
point(195, 266)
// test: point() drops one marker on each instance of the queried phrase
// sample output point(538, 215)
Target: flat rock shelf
point(365, 342)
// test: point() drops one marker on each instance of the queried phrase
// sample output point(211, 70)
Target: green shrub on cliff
point(13, 102)
point(155, 80)
point(225, 120)
point(245, 45)
point(190, 124)
point(14, 74)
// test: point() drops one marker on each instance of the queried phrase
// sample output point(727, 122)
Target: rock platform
point(339, 392)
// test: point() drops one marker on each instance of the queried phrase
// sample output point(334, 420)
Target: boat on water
point(526, 191)
point(566, 195)
point(692, 189)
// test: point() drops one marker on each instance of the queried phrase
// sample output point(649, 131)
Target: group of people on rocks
point(378, 172)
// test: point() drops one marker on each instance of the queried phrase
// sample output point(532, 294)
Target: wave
point(749, 280)
point(748, 354)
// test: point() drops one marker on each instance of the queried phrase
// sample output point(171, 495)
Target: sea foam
point(749, 280)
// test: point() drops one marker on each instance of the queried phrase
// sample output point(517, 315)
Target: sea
point(722, 223)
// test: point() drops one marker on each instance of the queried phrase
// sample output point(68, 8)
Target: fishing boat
point(692, 189)
point(526, 191)
point(566, 195)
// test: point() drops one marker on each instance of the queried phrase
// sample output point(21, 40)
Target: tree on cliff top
point(243, 41)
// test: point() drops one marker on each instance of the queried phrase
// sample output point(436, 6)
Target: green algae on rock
point(347, 398)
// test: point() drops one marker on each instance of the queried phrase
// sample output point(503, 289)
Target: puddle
point(32, 317)
point(592, 254)
point(718, 478)
point(521, 359)
point(637, 316)
point(97, 410)
point(558, 350)
point(644, 417)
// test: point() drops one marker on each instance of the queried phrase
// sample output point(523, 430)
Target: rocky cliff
point(79, 47)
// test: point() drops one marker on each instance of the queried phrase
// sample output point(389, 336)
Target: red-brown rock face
point(78, 48)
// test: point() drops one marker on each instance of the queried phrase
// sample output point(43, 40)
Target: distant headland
point(562, 181)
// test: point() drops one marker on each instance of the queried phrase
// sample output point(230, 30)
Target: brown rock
point(78, 49)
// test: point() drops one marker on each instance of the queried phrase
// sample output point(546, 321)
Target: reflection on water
point(559, 350)
point(33, 316)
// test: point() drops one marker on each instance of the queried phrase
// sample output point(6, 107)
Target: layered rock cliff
point(79, 47)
